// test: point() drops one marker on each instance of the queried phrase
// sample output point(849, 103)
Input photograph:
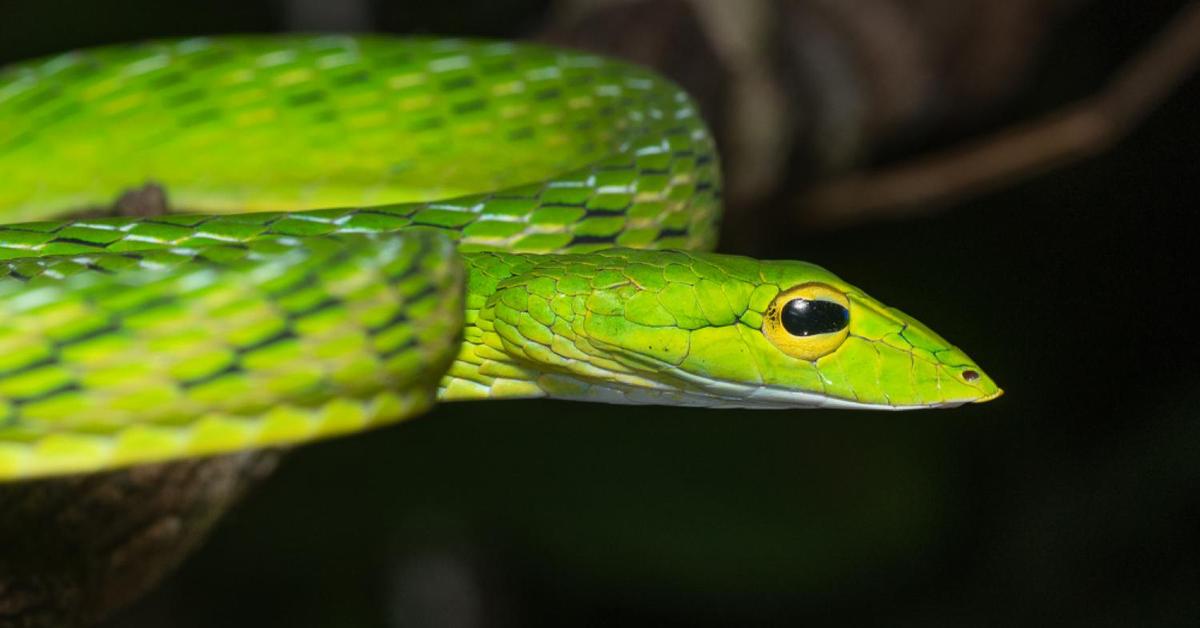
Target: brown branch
point(1081, 130)
point(76, 548)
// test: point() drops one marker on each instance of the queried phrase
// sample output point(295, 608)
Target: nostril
point(969, 375)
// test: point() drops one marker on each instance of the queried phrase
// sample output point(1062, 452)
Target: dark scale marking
point(407, 345)
point(195, 220)
point(427, 124)
point(271, 220)
point(495, 67)
point(402, 58)
point(522, 133)
point(237, 246)
point(379, 211)
point(320, 306)
point(579, 205)
point(39, 98)
point(166, 80)
point(309, 278)
point(593, 212)
point(395, 319)
point(83, 68)
point(462, 82)
point(60, 239)
point(199, 117)
point(302, 99)
point(672, 233)
point(184, 97)
point(46, 394)
point(93, 266)
point(591, 239)
point(620, 210)
point(412, 269)
point(152, 304)
point(409, 271)
point(110, 328)
point(22, 138)
point(209, 57)
point(577, 80)
point(62, 112)
point(286, 334)
point(351, 78)
point(424, 293)
point(469, 106)
point(49, 360)
point(233, 368)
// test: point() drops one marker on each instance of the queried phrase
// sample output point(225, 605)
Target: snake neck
point(523, 337)
point(484, 367)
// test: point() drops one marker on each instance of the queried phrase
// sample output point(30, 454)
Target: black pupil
point(804, 317)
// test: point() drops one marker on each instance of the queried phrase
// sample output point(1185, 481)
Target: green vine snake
point(377, 224)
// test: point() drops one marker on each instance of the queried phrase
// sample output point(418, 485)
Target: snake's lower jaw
point(988, 397)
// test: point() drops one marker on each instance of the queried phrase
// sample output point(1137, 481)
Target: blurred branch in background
point(321, 15)
point(1084, 129)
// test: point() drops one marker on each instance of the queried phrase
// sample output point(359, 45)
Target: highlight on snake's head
point(701, 329)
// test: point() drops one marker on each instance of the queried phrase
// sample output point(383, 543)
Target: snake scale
point(374, 224)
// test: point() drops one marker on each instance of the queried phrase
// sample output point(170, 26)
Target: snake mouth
point(990, 396)
point(698, 390)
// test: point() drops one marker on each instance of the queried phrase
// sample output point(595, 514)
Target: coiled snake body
point(378, 223)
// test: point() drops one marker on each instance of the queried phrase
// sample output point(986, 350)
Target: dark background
point(1073, 500)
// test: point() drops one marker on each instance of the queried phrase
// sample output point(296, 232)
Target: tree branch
point(1079, 131)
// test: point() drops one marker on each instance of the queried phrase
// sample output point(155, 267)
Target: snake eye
point(808, 321)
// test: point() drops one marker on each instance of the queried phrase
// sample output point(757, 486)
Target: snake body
point(375, 224)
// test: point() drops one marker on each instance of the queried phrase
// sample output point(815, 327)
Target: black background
point(1072, 500)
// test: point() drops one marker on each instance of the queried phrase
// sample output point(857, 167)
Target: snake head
point(672, 327)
